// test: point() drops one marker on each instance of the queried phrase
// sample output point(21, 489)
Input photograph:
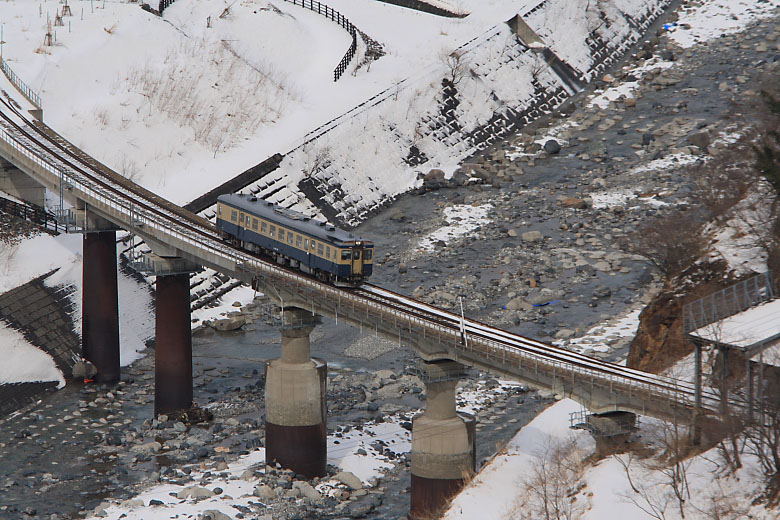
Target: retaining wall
point(359, 162)
point(43, 315)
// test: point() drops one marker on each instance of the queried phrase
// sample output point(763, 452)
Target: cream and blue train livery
point(290, 238)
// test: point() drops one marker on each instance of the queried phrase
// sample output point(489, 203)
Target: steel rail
point(477, 328)
point(503, 340)
point(122, 198)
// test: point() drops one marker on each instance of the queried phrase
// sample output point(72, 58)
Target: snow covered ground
point(350, 450)
point(37, 256)
point(181, 104)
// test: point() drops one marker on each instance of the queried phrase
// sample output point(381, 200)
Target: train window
point(241, 218)
point(320, 249)
point(254, 224)
point(264, 227)
point(290, 237)
point(272, 234)
point(306, 244)
point(346, 254)
point(298, 240)
point(281, 235)
point(219, 210)
point(327, 252)
point(313, 245)
point(234, 216)
point(357, 254)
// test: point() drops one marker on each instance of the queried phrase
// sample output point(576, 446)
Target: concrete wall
point(43, 315)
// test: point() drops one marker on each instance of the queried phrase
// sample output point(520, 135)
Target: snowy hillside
point(185, 102)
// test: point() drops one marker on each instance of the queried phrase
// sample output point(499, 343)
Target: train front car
point(290, 238)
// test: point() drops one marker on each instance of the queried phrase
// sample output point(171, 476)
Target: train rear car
point(291, 238)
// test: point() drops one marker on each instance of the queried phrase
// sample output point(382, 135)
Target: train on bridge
point(291, 238)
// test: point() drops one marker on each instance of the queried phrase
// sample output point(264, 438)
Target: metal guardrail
point(332, 14)
point(727, 302)
point(34, 214)
point(491, 353)
point(26, 91)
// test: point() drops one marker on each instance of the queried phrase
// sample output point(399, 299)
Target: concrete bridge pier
point(100, 305)
point(443, 443)
point(295, 405)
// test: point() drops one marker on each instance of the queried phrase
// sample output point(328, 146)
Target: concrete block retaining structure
point(431, 130)
point(22, 309)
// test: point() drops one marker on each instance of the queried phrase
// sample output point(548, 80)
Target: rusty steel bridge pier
point(173, 345)
point(443, 442)
point(295, 404)
point(100, 305)
point(173, 333)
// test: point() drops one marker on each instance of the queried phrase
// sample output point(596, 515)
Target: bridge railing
point(653, 389)
point(117, 200)
point(34, 214)
point(26, 91)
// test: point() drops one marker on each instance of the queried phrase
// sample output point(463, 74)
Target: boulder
point(263, 491)
point(532, 236)
point(230, 323)
point(434, 175)
point(552, 147)
point(149, 447)
point(349, 479)
point(307, 491)
point(84, 370)
point(518, 304)
point(700, 139)
point(573, 202)
point(213, 514)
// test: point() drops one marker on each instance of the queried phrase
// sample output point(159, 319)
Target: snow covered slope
point(186, 102)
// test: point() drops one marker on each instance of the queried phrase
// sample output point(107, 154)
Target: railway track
point(150, 209)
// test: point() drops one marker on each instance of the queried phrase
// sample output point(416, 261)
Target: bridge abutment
point(611, 431)
point(173, 345)
point(20, 185)
point(100, 306)
point(443, 443)
point(295, 401)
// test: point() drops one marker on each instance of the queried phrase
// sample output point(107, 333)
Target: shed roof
point(745, 330)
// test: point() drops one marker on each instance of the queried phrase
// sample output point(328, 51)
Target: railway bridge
point(97, 202)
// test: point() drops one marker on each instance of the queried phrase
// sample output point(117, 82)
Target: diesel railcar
point(290, 238)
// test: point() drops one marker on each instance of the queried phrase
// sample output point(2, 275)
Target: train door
point(357, 262)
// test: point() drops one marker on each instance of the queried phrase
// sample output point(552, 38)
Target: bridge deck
point(432, 332)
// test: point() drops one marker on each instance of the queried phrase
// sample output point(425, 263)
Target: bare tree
point(671, 243)
point(763, 440)
point(549, 491)
point(457, 66)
